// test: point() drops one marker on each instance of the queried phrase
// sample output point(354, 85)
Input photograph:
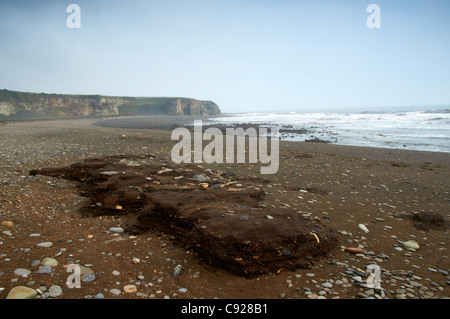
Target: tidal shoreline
point(342, 186)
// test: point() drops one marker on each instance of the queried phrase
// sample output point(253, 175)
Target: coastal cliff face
point(21, 105)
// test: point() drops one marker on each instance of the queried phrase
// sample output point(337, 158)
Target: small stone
point(88, 278)
point(166, 170)
point(115, 291)
point(269, 217)
point(44, 270)
point(116, 273)
point(354, 250)
point(200, 178)
point(182, 290)
point(85, 270)
point(357, 278)
point(7, 223)
point(46, 244)
point(109, 173)
point(136, 260)
point(55, 291)
point(177, 270)
point(21, 292)
point(363, 228)
point(411, 244)
point(117, 230)
point(22, 272)
point(327, 285)
point(130, 289)
point(47, 261)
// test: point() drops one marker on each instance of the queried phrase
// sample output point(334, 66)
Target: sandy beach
point(343, 187)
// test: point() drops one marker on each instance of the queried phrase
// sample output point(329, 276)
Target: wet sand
point(341, 186)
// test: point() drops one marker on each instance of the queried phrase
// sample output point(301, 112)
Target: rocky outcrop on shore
point(22, 106)
point(213, 213)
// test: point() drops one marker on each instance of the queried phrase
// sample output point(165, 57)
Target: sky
point(246, 55)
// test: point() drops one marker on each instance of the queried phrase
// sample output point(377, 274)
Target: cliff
point(22, 105)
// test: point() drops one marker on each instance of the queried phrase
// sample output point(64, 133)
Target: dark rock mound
point(209, 211)
point(430, 220)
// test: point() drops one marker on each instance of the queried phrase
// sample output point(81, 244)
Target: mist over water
point(424, 130)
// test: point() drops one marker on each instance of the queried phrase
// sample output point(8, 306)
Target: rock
point(117, 230)
point(46, 244)
point(21, 292)
point(85, 270)
point(327, 285)
point(357, 279)
point(177, 270)
point(47, 261)
point(363, 228)
point(411, 244)
point(109, 173)
point(88, 278)
point(130, 289)
point(35, 263)
point(99, 296)
point(200, 178)
point(115, 291)
point(44, 270)
point(116, 273)
point(182, 290)
point(55, 291)
point(22, 272)
point(7, 223)
point(354, 250)
point(136, 260)
point(166, 170)
point(269, 217)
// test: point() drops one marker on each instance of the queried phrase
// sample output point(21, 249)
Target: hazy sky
point(246, 55)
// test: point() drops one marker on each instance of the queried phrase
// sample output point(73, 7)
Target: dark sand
point(340, 186)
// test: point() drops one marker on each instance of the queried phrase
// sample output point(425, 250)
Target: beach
point(343, 187)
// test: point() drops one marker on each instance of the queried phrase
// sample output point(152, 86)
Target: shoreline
point(342, 186)
point(170, 123)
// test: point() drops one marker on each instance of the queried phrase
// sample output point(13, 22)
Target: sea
point(426, 129)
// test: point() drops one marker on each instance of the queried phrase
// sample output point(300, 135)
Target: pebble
point(182, 290)
point(99, 296)
point(130, 289)
point(55, 291)
point(411, 244)
point(46, 244)
point(7, 223)
point(109, 173)
point(354, 250)
point(21, 292)
point(44, 270)
point(22, 272)
point(47, 261)
point(116, 273)
point(117, 230)
point(115, 291)
point(363, 228)
point(177, 270)
point(327, 285)
point(88, 278)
